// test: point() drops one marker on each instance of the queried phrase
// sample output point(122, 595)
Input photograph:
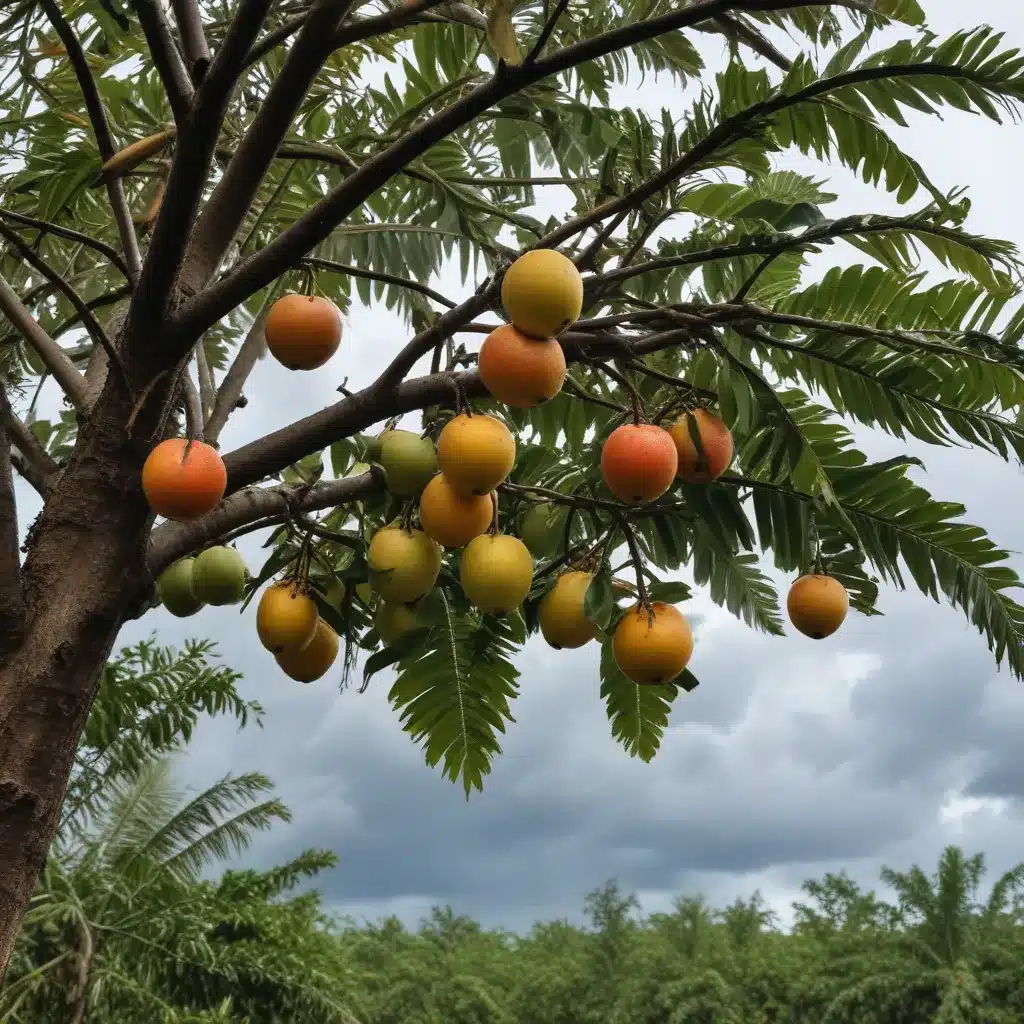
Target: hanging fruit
point(183, 480)
point(286, 617)
point(716, 441)
point(303, 331)
point(542, 528)
point(312, 662)
point(542, 293)
point(176, 591)
point(817, 605)
point(496, 572)
point(639, 462)
point(393, 621)
point(519, 370)
point(408, 461)
point(652, 648)
point(475, 453)
point(563, 622)
point(404, 564)
point(451, 518)
point(218, 576)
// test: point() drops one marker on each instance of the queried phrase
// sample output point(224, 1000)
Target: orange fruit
point(303, 331)
point(655, 649)
point(639, 462)
point(817, 605)
point(519, 370)
point(309, 663)
point(563, 622)
point(183, 484)
point(286, 617)
point(475, 453)
point(451, 518)
point(716, 440)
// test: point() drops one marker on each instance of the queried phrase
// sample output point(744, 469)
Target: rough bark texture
point(86, 564)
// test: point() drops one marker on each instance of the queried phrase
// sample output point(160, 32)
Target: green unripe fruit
point(218, 576)
point(176, 590)
point(542, 528)
point(393, 621)
point(409, 462)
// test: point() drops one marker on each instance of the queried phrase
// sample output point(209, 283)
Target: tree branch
point(164, 51)
point(230, 391)
point(186, 182)
point(318, 222)
point(193, 39)
point(37, 467)
point(376, 275)
point(101, 130)
point(12, 600)
point(172, 541)
point(71, 382)
point(206, 389)
point(75, 236)
point(92, 325)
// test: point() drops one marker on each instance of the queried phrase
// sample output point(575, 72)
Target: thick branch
point(12, 601)
point(101, 130)
point(318, 222)
point(169, 65)
point(172, 541)
point(185, 184)
point(71, 382)
point(193, 39)
point(36, 465)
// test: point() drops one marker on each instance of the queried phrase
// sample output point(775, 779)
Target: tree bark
point(86, 565)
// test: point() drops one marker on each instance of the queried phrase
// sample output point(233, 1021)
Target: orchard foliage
point(697, 248)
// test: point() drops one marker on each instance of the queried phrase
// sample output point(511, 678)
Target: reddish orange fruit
point(716, 440)
point(655, 648)
point(303, 331)
point(639, 462)
point(519, 370)
point(183, 484)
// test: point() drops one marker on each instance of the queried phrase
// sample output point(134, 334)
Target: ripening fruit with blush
point(176, 591)
point(451, 518)
point(654, 647)
point(817, 605)
point(496, 572)
point(697, 467)
point(408, 461)
point(404, 564)
point(183, 481)
point(218, 576)
point(286, 617)
point(542, 292)
point(393, 621)
point(563, 622)
point(519, 370)
point(303, 331)
point(312, 662)
point(639, 462)
point(475, 453)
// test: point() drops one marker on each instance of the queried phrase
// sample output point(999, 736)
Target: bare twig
point(75, 236)
point(12, 600)
point(545, 32)
point(376, 275)
point(207, 394)
point(36, 465)
point(71, 382)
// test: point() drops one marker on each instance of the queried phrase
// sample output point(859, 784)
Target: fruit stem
point(494, 529)
point(638, 566)
point(635, 402)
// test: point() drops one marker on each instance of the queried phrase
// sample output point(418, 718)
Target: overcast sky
point(793, 758)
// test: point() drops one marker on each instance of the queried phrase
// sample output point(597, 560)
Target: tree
point(171, 178)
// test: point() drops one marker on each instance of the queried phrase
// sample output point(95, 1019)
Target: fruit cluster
point(522, 364)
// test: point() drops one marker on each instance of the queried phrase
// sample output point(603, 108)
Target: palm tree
point(944, 932)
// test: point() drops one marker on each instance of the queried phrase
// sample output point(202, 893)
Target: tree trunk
point(85, 569)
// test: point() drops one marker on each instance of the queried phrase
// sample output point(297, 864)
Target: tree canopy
point(171, 173)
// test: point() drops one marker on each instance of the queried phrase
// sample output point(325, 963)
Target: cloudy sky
point(793, 757)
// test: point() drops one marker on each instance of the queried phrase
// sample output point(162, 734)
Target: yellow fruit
point(817, 605)
point(652, 650)
point(403, 564)
point(562, 620)
point(496, 572)
point(313, 660)
point(286, 617)
point(542, 292)
point(393, 621)
point(475, 453)
point(451, 518)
